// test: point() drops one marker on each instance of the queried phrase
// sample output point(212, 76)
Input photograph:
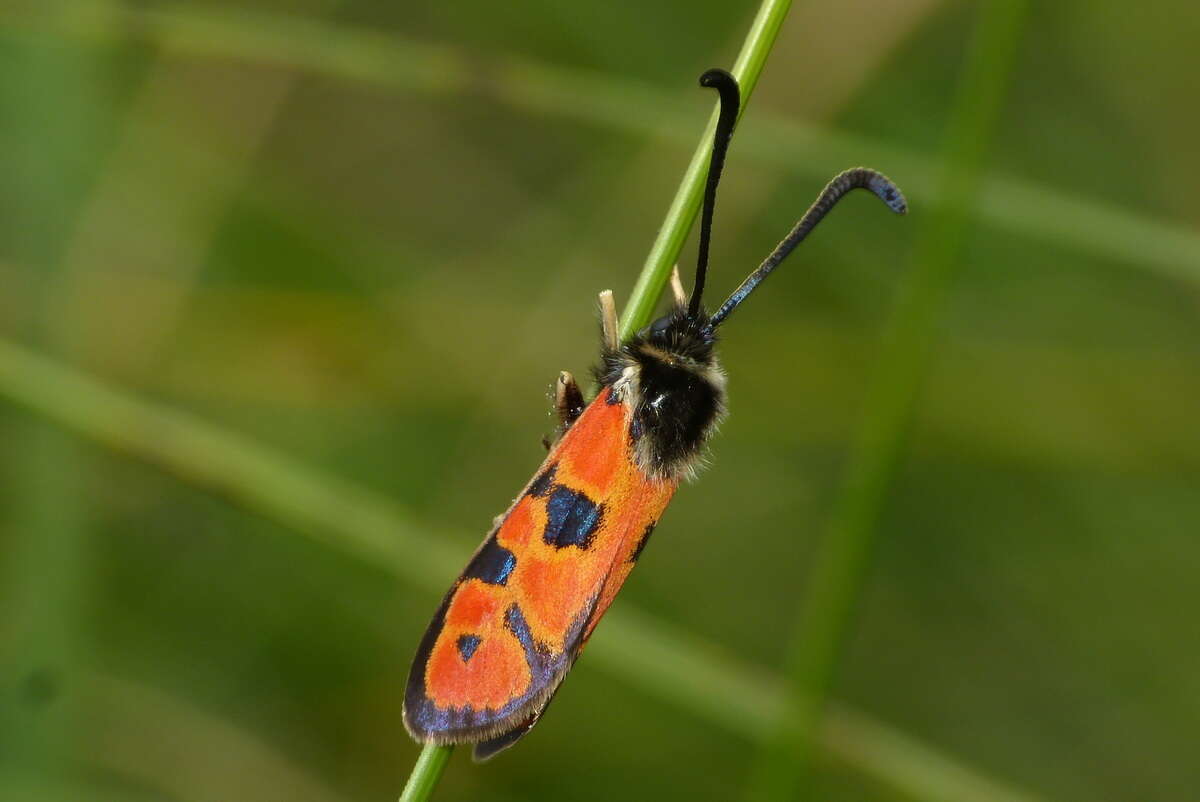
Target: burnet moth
point(518, 616)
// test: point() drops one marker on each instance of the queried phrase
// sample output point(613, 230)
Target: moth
point(517, 618)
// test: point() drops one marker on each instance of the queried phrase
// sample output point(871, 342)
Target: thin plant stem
point(426, 773)
point(686, 204)
point(844, 555)
point(653, 278)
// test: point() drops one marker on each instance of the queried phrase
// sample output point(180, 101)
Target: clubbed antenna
point(856, 178)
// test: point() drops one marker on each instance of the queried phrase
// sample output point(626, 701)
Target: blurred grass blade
point(362, 55)
point(143, 736)
point(675, 667)
point(321, 506)
point(844, 554)
point(45, 566)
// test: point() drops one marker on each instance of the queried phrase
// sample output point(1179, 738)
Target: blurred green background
point(341, 250)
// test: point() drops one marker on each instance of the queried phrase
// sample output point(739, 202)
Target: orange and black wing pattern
point(514, 622)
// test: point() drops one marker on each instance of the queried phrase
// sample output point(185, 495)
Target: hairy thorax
point(670, 378)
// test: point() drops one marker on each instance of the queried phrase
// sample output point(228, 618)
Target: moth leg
point(677, 288)
point(608, 320)
point(568, 406)
point(568, 400)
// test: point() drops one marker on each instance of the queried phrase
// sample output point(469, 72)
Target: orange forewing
point(514, 622)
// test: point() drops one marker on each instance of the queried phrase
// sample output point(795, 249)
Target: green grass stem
point(844, 555)
point(657, 269)
point(426, 773)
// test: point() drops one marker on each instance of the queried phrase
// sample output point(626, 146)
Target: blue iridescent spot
point(467, 644)
point(571, 519)
point(506, 568)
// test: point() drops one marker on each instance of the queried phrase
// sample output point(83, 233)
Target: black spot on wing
point(467, 644)
point(547, 669)
point(492, 563)
point(425, 719)
point(637, 552)
point(537, 654)
point(541, 485)
point(572, 519)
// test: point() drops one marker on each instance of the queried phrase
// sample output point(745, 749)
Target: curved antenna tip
point(855, 178)
point(886, 190)
point(718, 77)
